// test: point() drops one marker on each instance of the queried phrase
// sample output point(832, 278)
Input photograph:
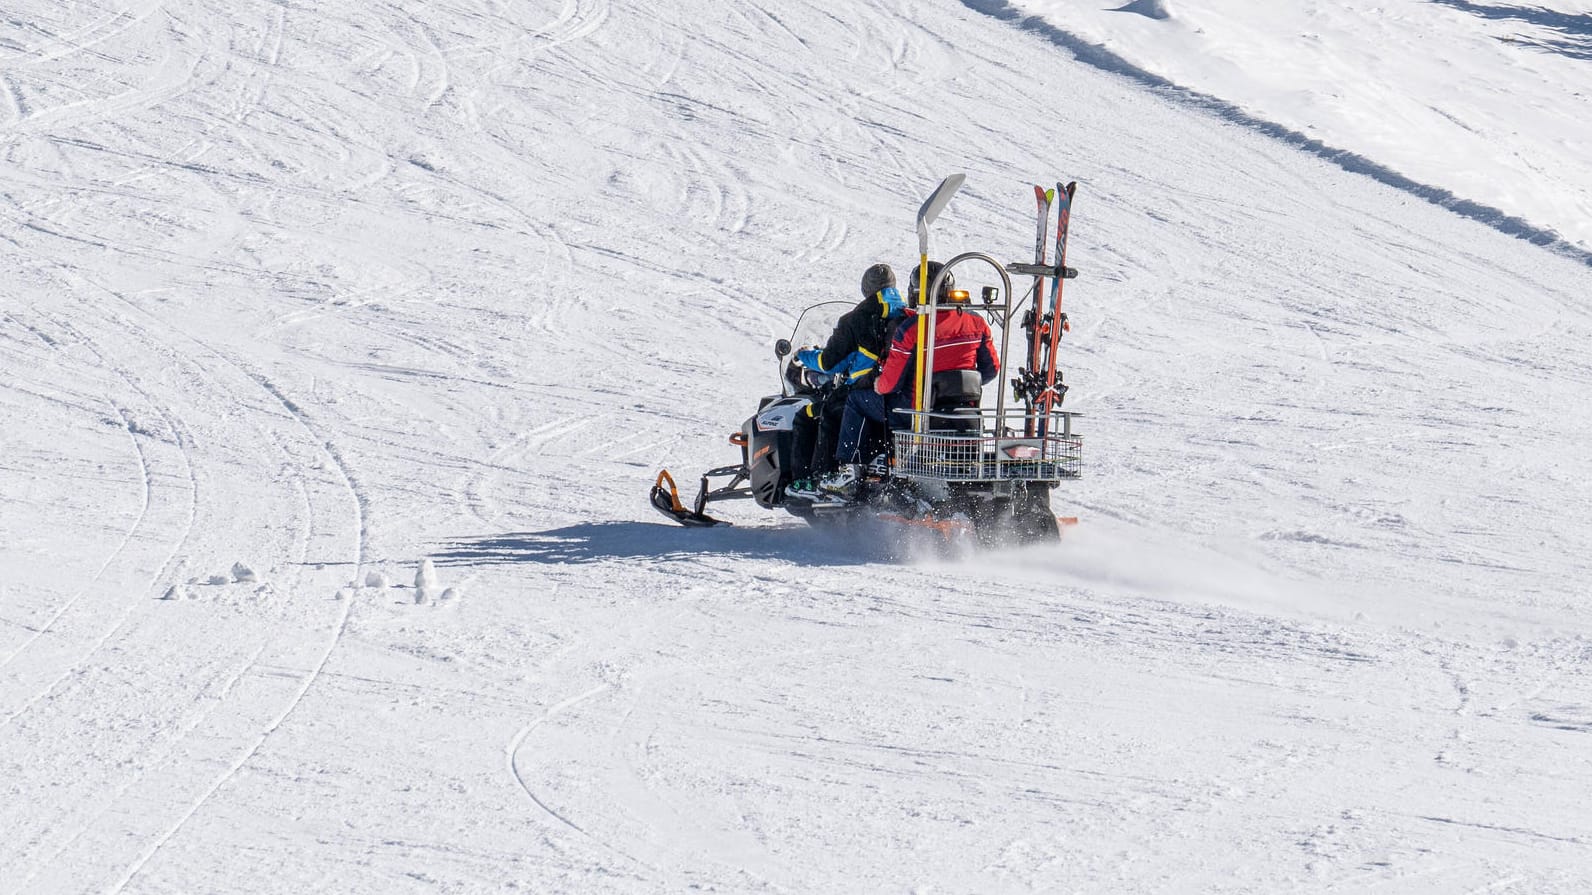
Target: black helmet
point(934, 270)
point(876, 278)
point(802, 380)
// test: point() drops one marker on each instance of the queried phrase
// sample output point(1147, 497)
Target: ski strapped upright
point(1055, 390)
point(1033, 319)
point(1038, 385)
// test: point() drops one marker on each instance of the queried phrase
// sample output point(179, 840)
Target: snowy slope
point(1480, 105)
point(328, 290)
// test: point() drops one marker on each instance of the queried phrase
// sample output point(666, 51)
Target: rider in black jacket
point(862, 335)
point(854, 352)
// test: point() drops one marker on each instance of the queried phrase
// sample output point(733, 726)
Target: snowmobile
point(957, 463)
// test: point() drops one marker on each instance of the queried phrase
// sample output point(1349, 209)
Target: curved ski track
point(178, 555)
point(360, 508)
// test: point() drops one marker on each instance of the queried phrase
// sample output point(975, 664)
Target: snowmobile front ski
point(668, 502)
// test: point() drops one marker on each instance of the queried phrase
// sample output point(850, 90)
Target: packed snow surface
point(1490, 101)
point(314, 310)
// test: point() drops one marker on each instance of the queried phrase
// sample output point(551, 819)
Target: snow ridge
point(1100, 57)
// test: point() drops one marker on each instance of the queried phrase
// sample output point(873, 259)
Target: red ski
point(1054, 320)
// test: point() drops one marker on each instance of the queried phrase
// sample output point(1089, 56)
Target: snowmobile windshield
point(812, 330)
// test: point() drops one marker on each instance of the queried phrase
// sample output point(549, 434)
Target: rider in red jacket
point(962, 341)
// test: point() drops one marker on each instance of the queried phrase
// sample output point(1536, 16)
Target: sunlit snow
point(342, 342)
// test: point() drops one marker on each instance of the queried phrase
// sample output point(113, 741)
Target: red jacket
point(962, 341)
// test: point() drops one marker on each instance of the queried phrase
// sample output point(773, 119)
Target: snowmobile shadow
point(591, 542)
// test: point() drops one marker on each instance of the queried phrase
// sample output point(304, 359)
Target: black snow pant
point(829, 417)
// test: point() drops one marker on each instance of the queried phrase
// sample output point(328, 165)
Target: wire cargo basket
point(967, 457)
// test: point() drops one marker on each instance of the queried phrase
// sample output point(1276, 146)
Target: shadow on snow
point(592, 542)
point(1102, 58)
point(1575, 30)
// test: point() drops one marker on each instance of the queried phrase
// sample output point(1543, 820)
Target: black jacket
point(864, 329)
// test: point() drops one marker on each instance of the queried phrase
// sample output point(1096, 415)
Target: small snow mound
point(425, 581)
point(450, 595)
point(426, 575)
point(218, 579)
point(1150, 9)
point(242, 573)
point(173, 593)
point(377, 579)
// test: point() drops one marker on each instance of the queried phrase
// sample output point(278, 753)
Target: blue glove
point(894, 305)
point(808, 357)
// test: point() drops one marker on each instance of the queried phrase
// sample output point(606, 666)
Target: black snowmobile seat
point(954, 397)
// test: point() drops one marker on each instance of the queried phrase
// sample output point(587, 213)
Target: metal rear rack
point(1054, 453)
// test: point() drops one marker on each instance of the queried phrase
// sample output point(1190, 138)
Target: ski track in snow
point(511, 752)
point(332, 290)
point(142, 513)
point(146, 487)
point(301, 551)
point(337, 629)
